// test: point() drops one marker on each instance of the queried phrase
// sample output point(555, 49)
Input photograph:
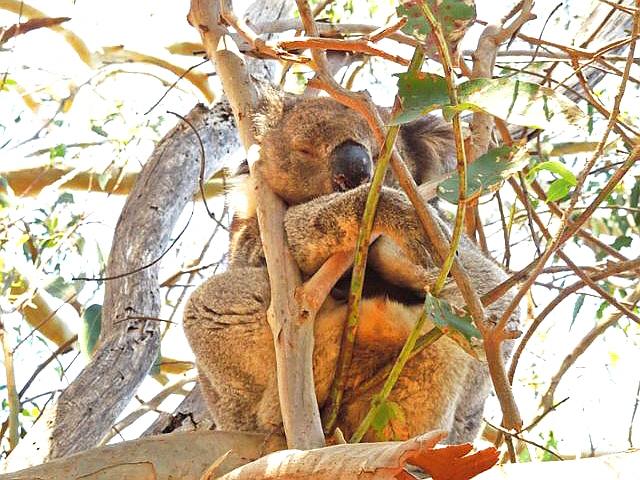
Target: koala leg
point(468, 415)
point(225, 322)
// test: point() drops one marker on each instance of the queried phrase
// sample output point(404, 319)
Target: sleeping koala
point(318, 156)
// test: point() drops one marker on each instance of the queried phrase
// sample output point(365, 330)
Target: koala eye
point(304, 150)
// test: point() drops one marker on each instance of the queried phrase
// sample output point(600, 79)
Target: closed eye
point(305, 151)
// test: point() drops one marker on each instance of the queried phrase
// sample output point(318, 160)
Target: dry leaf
point(29, 25)
point(370, 461)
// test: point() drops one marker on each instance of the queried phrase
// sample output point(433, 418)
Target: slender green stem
point(408, 351)
point(435, 333)
point(445, 58)
point(360, 261)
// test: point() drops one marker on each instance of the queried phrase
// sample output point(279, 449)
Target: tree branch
point(293, 334)
point(129, 348)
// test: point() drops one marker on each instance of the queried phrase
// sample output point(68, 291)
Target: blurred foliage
point(75, 105)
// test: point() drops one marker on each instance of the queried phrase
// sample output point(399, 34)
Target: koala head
point(312, 147)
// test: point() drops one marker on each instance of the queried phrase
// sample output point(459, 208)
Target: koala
point(318, 156)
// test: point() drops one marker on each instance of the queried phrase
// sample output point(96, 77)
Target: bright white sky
point(601, 385)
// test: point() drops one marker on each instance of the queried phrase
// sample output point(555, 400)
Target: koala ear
point(274, 103)
point(430, 147)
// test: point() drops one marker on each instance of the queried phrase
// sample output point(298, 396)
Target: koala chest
point(382, 330)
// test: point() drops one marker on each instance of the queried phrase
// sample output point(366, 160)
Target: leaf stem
point(360, 261)
point(405, 354)
point(435, 332)
point(445, 58)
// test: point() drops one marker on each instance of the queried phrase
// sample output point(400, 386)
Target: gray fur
point(225, 318)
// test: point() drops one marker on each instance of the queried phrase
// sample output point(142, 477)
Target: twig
point(14, 401)
point(152, 405)
point(596, 276)
point(334, 30)
point(528, 208)
point(360, 261)
point(517, 436)
point(342, 45)
point(447, 65)
point(547, 399)
point(633, 416)
point(615, 111)
point(565, 258)
point(61, 349)
point(506, 259)
point(552, 408)
point(293, 336)
point(386, 31)
point(240, 26)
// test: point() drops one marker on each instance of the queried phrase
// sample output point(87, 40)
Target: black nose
point(351, 166)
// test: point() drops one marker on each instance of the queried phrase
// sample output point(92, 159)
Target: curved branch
point(88, 407)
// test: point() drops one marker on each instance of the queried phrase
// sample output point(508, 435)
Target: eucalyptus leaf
point(485, 174)
point(576, 309)
point(420, 94)
point(521, 103)
point(103, 178)
point(62, 289)
point(558, 189)
point(456, 324)
point(453, 15)
point(515, 101)
point(90, 329)
point(554, 166)
point(385, 413)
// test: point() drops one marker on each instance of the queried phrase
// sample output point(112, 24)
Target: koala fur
point(225, 319)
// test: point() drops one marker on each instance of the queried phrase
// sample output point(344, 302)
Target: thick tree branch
point(129, 348)
point(183, 456)
point(293, 335)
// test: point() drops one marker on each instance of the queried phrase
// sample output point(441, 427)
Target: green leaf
point(420, 94)
point(103, 179)
point(59, 288)
point(7, 82)
point(621, 242)
point(551, 444)
point(456, 324)
point(66, 197)
point(576, 309)
point(515, 101)
point(558, 189)
point(99, 130)
point(556, 167)
point(452, 15)
point(521, 103)
point(90, 329)
point(385, 413)
point(486, 173)
point(57, 152)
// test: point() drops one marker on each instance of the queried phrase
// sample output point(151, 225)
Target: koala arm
point(329, 224)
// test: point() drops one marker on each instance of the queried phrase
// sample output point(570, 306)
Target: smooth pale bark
point(88, 407)
point(178, 456)
point(293, 334)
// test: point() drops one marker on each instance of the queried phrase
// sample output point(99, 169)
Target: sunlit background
point(103, 113)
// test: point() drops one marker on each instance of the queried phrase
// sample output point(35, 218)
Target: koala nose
point(351, 166)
